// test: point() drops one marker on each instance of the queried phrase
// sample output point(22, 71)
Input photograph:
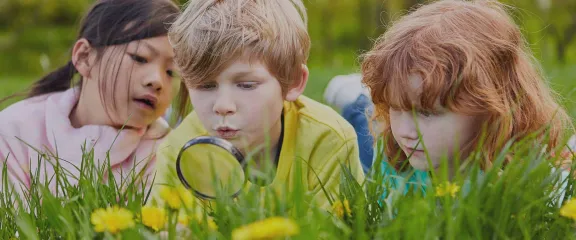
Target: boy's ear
point(82, 57)
point(299, 85)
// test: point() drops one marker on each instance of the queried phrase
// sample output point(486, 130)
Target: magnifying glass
point(211, 167)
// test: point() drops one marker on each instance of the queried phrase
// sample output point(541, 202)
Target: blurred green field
point(12, 85)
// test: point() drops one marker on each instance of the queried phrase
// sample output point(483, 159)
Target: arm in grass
point(14, 152)
point(338, 169)
point(166, 155)
point(165, 173)
point(568, 154)
point(15, 175)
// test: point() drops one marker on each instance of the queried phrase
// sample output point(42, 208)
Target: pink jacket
point(42, 124)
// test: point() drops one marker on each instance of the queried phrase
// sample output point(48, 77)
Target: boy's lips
point(227, 132)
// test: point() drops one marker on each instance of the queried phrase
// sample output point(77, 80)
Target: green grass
point(520, 202)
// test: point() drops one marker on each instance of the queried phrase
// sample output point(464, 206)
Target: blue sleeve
point(356, 114)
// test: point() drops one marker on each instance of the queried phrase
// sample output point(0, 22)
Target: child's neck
point(269, 156)
point(82, 115)
point(266, 158)
point(448, 172)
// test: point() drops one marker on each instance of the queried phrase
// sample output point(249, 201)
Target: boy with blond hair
point(244, 65)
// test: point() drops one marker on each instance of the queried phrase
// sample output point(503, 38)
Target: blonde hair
point(211, 33)
point(473, 58)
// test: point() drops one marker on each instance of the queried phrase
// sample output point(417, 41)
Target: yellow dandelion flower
point(342, 207)
point(112, 219)
point(275, 227)
point(447, 188)
point(177, 197)
point(211, 224)
point(185, 220)
point(154, 217)
point(569, 209)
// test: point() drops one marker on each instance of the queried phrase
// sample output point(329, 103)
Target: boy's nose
point(224, 105)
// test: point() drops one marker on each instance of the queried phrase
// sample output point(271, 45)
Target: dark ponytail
point(56, 81)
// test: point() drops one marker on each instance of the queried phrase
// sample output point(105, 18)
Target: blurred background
point(36, 37)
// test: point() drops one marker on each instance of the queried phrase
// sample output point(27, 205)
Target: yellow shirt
point(315, 136)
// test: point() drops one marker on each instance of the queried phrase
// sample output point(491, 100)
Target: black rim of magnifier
point(214, 141)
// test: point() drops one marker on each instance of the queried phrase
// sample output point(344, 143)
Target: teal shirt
point(412, 179)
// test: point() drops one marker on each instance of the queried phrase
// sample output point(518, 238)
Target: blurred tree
point(340, 29)
point(550, 25)
point(16, 14)
point(561, 17)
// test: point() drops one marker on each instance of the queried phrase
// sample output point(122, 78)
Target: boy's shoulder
point(318, 134)
point(316, 118)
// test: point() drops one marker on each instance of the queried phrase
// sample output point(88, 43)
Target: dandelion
point(176, 197)
point(340, 208)
point(112, 219)
point(447, 188)
point(185, 220)
point(569, 209)
point(275, 227)
point(154, 217)
point(211, 224)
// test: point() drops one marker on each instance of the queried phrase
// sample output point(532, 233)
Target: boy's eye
point(138, 59)
point(247, 86)
point(206, 86)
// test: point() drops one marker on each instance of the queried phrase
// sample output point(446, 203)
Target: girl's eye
point(247, 86)
point(138, 59)
point(425, 113)
point(431, 113)
point(170, 73)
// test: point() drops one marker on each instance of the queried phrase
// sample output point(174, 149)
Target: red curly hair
point(474, 59)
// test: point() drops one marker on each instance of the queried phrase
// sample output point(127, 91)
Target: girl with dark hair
point(123, 62)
